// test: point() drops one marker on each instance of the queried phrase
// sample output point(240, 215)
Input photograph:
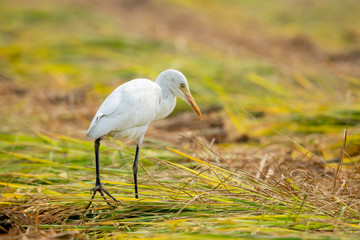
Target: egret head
point(179, 86)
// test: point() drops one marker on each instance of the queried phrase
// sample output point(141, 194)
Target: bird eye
point(182, 85)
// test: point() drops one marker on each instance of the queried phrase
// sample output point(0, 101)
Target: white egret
point(130, 108)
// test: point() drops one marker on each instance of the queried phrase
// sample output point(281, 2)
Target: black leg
point(98, 187)
point(135, 169)
point(96, 147)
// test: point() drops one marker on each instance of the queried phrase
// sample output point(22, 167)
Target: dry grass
point(188, 195)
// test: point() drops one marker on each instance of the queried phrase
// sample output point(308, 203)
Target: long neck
point(168, 100)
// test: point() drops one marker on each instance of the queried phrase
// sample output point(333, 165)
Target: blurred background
point(254, 67)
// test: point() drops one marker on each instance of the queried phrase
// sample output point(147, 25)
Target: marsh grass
point(182, 197)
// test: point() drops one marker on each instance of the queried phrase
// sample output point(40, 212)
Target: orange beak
point(192, 102)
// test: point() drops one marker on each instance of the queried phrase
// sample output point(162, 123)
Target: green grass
point(59, 60)
point(182, 198)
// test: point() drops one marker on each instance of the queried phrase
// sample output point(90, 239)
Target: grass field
point(275, 157)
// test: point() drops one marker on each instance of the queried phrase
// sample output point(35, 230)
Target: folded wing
point(133, 104)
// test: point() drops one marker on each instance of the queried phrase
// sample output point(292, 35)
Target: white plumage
point(127, 111)
point(130, 108)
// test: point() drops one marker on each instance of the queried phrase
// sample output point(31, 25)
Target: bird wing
point(131, 105)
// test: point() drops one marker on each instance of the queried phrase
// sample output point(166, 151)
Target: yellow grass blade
point(200, 161)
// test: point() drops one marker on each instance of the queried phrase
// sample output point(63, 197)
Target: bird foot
point(99, 188)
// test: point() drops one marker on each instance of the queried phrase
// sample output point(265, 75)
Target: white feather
point(130, 108)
